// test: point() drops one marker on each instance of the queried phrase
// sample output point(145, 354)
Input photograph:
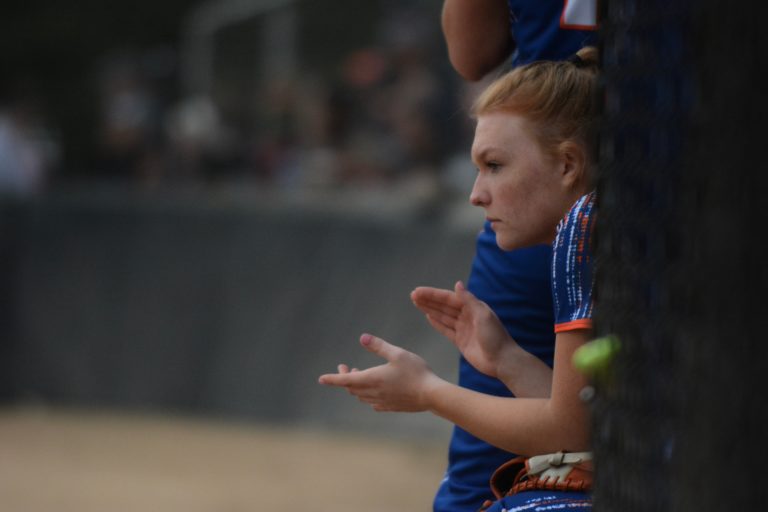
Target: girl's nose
point(479, 195)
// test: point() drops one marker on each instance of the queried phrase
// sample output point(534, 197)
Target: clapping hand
point(401, 384)
point(469, 323)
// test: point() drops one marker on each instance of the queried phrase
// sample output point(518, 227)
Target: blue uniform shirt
point(517, 286)
point(550, 29)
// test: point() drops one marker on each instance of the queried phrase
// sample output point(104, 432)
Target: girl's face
point(523, 191)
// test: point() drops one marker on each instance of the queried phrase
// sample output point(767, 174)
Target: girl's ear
point(573, 164)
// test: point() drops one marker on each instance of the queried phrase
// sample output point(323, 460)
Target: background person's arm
point(477, 35)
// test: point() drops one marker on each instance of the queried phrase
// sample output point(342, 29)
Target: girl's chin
point(507, 243)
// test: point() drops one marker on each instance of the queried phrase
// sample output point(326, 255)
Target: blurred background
point(202, 206)
point(287, 94)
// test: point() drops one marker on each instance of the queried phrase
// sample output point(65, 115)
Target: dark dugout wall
point(206, 306)
point(681, 425)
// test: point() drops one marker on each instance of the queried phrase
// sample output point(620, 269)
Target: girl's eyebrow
point(488, 152)
point(482, 154)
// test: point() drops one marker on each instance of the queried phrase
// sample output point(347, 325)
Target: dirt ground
point(67, 461)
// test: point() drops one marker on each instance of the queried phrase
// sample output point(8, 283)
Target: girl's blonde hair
point(558, 98)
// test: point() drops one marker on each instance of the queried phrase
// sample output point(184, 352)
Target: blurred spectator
point(277, 147)
point(28, 151)
point(129, 120)
point(198, 142)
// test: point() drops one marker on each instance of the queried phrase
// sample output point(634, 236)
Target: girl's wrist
point(432, 389)
point(510, 364)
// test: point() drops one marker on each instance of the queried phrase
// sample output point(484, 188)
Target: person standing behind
point(482, 36)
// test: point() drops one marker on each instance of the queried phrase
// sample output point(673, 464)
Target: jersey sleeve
point(572, 262)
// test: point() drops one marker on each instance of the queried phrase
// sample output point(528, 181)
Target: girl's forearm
point(526, 426)
point(524, 374)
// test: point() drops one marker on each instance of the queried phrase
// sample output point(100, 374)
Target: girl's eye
point(493, 166)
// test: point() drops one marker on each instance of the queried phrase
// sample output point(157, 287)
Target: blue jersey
point(550, 29)
point(516, 284)
point(538, 501)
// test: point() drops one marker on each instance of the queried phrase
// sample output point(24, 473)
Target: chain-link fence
point(681, 424)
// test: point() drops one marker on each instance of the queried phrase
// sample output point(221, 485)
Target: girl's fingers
point(453, 313)
point(448, 309)
point(427, 294)
point(448, 321)
point(441, 328)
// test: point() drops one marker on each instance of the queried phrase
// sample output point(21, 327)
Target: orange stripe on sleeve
point(574, 325)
